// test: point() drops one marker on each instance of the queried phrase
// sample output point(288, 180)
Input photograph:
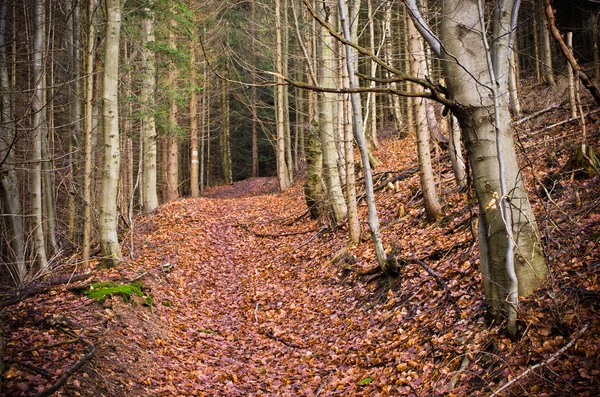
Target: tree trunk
point(9, 183)
point(72, 41)
point(388, 267)
point(289, 161)
point(371, 116)
point(313, 189)
point(280, 152)
point(433, 207)
point(172, 138)
point(475, 114)
point(548, 71)
point(194, 183)
point(330, 157)
point(109, 242)
point(147, 92)
point(88, 128)
point(225, 151)
point(254, 98)
point(39, 126)
point(395, 99)
point(455, 150)
point(348, 141)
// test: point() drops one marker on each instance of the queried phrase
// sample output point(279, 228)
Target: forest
point(299, 198)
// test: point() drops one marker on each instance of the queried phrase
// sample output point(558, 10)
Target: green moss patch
point(101, 291)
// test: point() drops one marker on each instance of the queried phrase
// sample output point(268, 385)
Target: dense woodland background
point(214, 96)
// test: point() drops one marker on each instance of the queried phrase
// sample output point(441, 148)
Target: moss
point(101, 291)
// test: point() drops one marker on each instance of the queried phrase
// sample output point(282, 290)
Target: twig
point(429, 270)
point(463, 366)
point(31, 368)
point(539, 113)
point(545, 363)
point(71, 370)
point(562, 122)
point(322, 385)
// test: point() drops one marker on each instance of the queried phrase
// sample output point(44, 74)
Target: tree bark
point(173, 138)
point(225, 150)
point(109, 242)
point(433, 207)
point(147, 92)
point(9, 183)
point(280, 152)
point(547, 69)
point(467, 83)
point(39, 129)
point(88, 129)
point(330, 158)
point(388, 267)
point(194, 187)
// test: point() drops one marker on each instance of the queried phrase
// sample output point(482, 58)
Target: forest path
point(246, 313)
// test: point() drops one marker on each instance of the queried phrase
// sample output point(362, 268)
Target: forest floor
point(244, 295)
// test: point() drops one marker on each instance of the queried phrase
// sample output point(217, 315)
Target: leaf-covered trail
point(246, 315)
point(252, 299)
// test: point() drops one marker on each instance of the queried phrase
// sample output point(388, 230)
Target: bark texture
point(469, 87)
point(109, 242)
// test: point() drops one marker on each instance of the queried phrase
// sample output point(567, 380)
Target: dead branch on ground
point(545, 363)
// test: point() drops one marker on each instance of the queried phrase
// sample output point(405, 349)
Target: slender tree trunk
point(347, 57)
point(109, 242)
point(536, 46)
point(39, 127)
point(194, 188)
point(282, 172)
point(433, 207)
point(388, 267)
point(72, 41)
point(475, 113)
point(172, 138)
point(147, 92)
point(9, 183)
point(254, 97)
point(88, 128)
point(205, 128)
point(596, 46)
point(571, 77)
point(548, 71)
point(289, 161)
point(330, 170)
point(395, 99)
point(456, 157)
point(225, 151)
point(371, 116)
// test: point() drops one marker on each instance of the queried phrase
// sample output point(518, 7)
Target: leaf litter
point(252, 298)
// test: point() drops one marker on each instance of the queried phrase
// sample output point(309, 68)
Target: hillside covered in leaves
point(239, 293)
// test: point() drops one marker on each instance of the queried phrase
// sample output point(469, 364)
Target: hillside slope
point(252, 298)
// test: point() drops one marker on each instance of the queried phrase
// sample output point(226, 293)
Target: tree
point(39, 126)
point(433, 207)
point(506, 216)
point(147, 91)
point(88, 131)
point(9, 191)
point(326, 130)
point(109, 242)
point(283, 174)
